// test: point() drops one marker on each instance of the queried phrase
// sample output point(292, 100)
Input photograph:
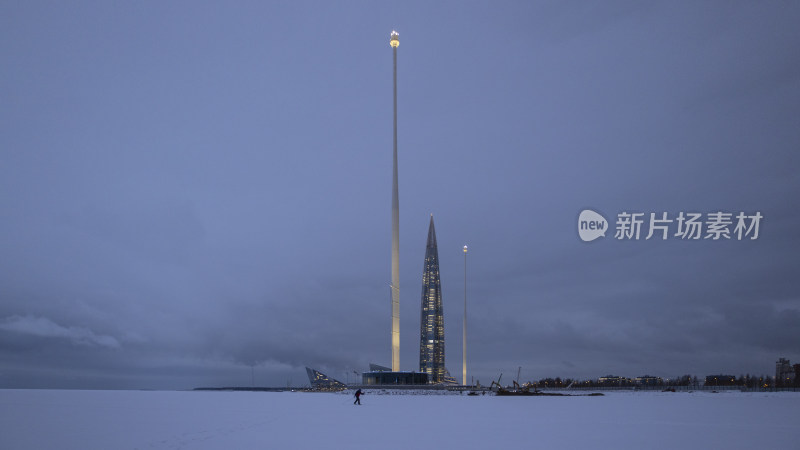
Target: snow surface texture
point(50, 419)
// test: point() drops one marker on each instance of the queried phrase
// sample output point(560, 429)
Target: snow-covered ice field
point(53, 419)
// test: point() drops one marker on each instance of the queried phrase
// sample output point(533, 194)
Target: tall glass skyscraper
point(431, 340)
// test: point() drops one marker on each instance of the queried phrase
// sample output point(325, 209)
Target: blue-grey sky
point(191, 189)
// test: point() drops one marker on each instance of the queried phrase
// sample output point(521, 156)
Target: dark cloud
point(43, 327)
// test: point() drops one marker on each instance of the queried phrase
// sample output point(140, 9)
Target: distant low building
point(784, 373)
point(322, 382)
point(720, 380)
point(613, 380)
point(448, 379)
point(796, 374)
point(648, 380)
point(378, 368)
point(384, 378)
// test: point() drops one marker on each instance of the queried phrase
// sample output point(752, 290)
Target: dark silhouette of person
point(358, 397)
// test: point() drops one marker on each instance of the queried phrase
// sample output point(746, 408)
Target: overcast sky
point(191, 189)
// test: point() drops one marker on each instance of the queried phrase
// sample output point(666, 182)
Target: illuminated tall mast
point(464, 351)
point(394, 41)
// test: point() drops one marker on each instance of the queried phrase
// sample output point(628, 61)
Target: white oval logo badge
point(591, 225)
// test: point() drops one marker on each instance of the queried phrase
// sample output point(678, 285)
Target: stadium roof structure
point(321, 382)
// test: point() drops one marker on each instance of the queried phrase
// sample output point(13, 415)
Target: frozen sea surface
point(52, 419)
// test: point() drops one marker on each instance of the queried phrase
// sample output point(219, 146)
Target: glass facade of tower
point(431, 340)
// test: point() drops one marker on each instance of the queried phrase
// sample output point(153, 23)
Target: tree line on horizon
point(745, 381)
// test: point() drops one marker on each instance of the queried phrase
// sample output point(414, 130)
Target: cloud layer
point(44, 327)
point(199, 196)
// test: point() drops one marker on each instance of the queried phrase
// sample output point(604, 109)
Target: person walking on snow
point(358, 397)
